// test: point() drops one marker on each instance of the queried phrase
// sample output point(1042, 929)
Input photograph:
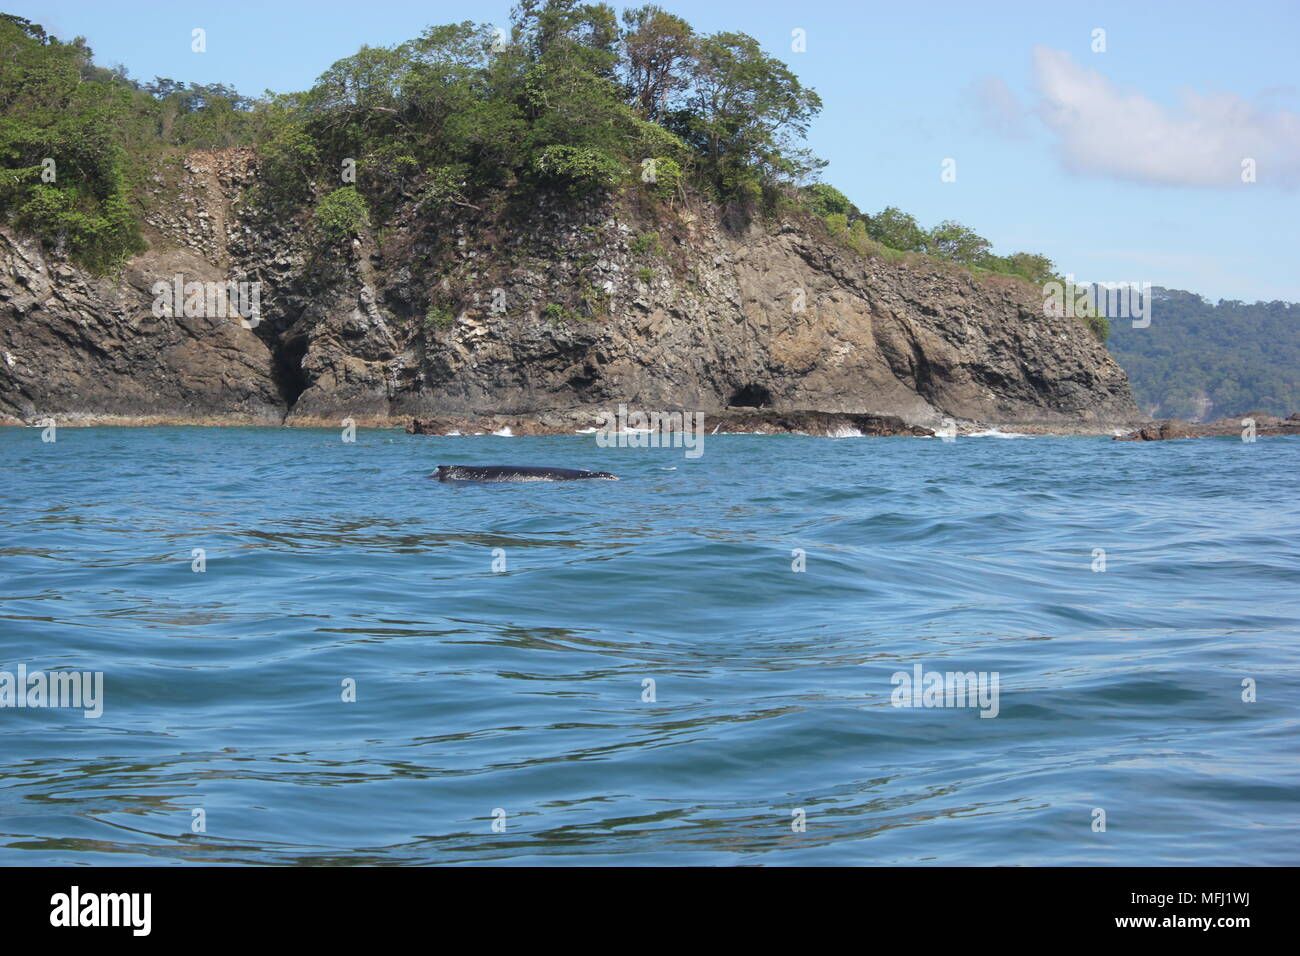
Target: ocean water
point(505, 715)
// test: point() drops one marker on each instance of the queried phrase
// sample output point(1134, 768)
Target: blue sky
point(1120, 165)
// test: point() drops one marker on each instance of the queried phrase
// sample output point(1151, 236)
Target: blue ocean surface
point(636, 672)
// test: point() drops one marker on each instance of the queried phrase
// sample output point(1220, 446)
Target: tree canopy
point(573, 99)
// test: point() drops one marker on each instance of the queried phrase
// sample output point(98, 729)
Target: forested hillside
point(573, 99)
point(1203, 360)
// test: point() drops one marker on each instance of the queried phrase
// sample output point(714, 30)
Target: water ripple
point(503, 641)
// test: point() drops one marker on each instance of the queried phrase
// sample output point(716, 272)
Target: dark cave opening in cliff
point(290, 377)
point(750, 396)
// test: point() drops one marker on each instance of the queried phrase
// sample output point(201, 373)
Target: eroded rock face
point(77, 347)
point(530, 317)
point(1263, 425)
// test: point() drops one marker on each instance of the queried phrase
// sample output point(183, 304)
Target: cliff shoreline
point(539, 315)
point(753, 422)
point(730, 422)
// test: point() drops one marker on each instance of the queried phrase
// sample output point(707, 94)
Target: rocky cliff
point(547, 311)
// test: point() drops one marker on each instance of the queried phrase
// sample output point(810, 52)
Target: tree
point(1035, 268)
point(657, 51)
point(825, 200)
point(745, 113)
point(951, 240)
point(582, 35)
point(357, 98)
point(896, 229)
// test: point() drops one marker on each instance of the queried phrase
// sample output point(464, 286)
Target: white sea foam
point(997, 433)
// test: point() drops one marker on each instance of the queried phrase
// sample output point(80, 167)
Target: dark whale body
point(515, 473)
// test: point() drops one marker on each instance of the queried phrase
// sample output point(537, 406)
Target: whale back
point(515, 473)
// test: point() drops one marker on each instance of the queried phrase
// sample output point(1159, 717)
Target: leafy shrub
point(343, 213)
point(288, 160)
point(581, 169)
point(647, 244)
point(596, 301)
point(825, 200)
point(444, 184)
point(1099, 325)
point(667, 178)
point(439, 317)
point(952, 241)
point(858, 238)
point(99, 235)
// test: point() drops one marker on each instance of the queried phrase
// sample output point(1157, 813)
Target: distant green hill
point(1201, 360)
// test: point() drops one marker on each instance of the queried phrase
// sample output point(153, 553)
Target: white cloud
point(1112, 132)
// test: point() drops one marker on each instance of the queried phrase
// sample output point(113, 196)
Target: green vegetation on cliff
point(573, 100)
point(77, 140)
point(63, 171)
point(893, 231)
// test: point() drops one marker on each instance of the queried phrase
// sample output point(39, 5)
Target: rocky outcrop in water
point(1256, 423)
point(540, 315)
